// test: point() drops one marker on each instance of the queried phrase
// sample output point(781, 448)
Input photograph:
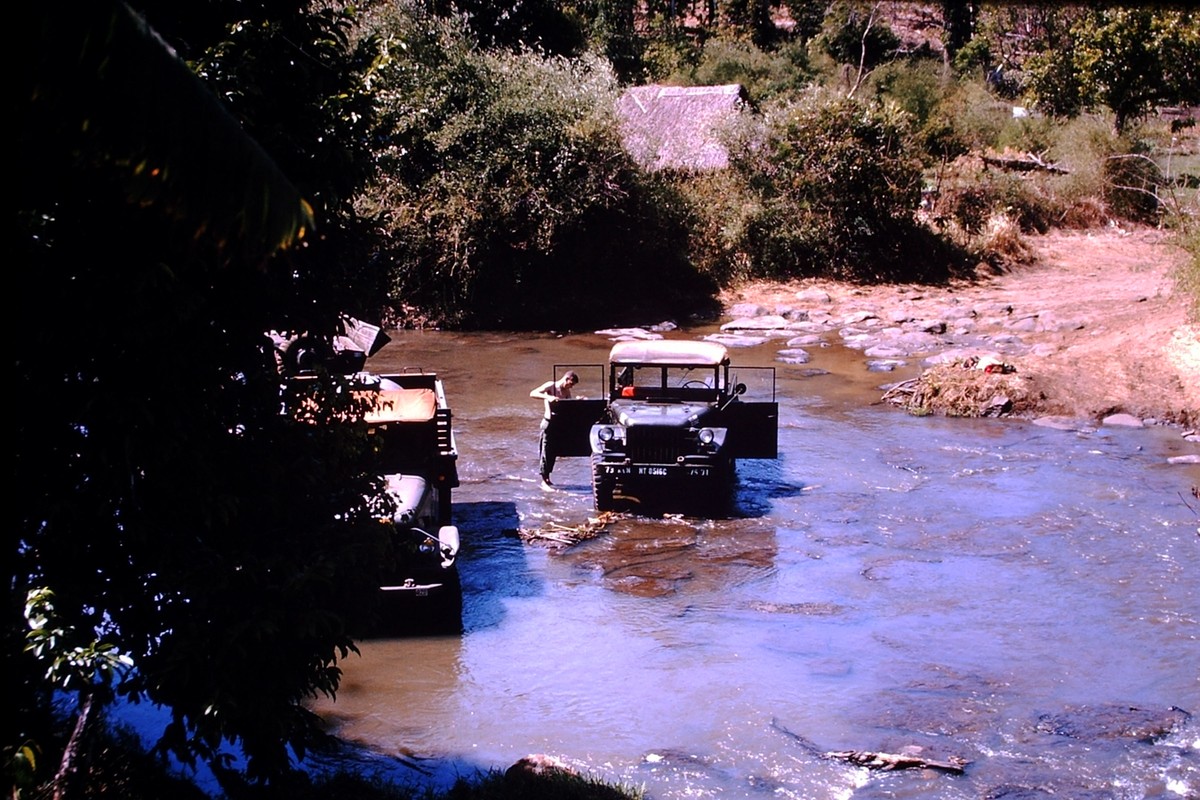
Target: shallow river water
point(1021, 597)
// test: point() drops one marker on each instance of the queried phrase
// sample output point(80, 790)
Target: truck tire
point(305, 353)
point(602, 487)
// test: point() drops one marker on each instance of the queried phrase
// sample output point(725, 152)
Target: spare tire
point(305, 353)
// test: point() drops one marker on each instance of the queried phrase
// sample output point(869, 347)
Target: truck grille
point(655, 444)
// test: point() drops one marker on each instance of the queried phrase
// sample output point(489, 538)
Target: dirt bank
point(1112, 335)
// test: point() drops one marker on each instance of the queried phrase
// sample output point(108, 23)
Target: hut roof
point(678, 127)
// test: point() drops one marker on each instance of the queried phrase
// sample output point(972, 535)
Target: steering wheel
point(695, 383)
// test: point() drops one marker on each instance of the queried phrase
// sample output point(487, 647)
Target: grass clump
point(1187, 275)
point(960, 388)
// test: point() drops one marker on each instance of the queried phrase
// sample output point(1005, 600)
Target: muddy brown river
point(1021, 597)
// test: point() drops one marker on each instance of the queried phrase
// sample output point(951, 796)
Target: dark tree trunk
point(68, 769)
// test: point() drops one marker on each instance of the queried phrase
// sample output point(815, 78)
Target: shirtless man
point(549, 392)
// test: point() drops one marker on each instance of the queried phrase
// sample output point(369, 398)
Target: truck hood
point(668, 414)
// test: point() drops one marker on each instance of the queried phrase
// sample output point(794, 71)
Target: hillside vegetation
point(889, 142)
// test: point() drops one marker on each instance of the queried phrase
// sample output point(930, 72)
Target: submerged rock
point(793, 355)
point(1123, 421)
point(1114, 722)
point(538, 765)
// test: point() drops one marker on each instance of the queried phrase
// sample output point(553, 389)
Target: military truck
point(409, 422)
point(410, 426)
point(674, 422)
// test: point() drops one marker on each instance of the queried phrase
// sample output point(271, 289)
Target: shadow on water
point(760, 484)
point(423, 668)
point(489, 534)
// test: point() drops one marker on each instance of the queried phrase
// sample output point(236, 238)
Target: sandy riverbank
point(1122, 342)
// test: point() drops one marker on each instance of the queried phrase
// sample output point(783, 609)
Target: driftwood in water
point(890, 761)
point(911, 759)
point(571, 534)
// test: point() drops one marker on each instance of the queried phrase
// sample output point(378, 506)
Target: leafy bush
point(965, 118)
point(837, 189)
point(1105, 177)
point(1032, 134)
point(507, 194)
point(1187, 278)
point(1079, 146)
point(917, 86)
point(1109, 176)
point(935, 105)
point(988, 210)
point(667, 57)
point(719, 208)
point(1132, 183)
point(764, 74)
point(974, 58)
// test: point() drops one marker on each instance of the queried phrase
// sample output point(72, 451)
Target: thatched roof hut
point(678, 127)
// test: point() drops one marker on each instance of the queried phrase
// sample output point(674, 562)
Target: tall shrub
point(838, 188)
point(764, 73)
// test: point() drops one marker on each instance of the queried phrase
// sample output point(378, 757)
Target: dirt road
point(1124, 342)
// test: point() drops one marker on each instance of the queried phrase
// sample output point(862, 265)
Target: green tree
point(78, 663)
point(958, 20)
point(297, 78)
point(174, 513)
point(764, 74)
point(855, 36)
point(507, 193)
point(808, 16)
point(748, 18)
point(540, 25)
point(1127, 59)
point(614, 28)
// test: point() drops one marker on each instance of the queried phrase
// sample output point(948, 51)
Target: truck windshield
point(659, 376)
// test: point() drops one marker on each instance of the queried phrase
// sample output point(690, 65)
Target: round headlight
point(706, 436)
point(605, 434)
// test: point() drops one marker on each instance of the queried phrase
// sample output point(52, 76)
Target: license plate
point(654, 471)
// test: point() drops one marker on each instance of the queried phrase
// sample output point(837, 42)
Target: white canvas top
point(669, 351)
point(402, 405)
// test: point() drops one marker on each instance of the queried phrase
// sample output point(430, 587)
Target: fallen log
point(890, 761)
point(900, 393)
point(911, 758)
point(1024, 163)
